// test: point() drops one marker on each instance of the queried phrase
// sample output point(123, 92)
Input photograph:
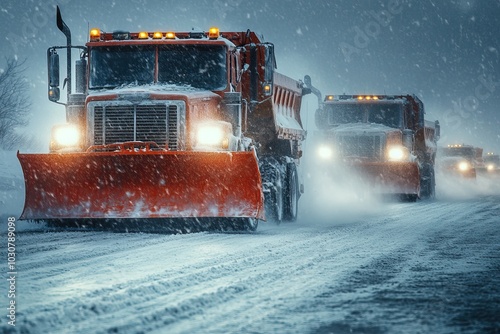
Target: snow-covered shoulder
point(11, 187)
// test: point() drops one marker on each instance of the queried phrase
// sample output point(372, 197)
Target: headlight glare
point(67, 136)
point(213, 136)
point(325, 152)
point(210, 136)
point(464, 166)
point(396, 154)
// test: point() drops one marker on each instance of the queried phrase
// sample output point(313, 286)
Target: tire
point(274, 200)
point(291, 193)
point(428, 182)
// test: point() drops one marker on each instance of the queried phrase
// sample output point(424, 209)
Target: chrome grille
point(120, 123)
point(173, 128)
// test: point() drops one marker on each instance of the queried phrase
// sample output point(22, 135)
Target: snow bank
point(11, 191)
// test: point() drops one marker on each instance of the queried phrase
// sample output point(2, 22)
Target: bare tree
point(14, 105)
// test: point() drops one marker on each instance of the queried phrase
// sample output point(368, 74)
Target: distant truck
point(460, 160)
point(173, 126)
point(491, 165)
point(384, 139)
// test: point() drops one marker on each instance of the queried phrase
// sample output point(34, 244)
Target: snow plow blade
point(398, 178)
point(150, 184)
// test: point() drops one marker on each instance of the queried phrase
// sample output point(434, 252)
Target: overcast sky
point(446, 52)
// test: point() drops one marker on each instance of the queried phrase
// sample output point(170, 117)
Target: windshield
point(199, 66)
point(389, 114)
point(122, 65)
point(465, 152)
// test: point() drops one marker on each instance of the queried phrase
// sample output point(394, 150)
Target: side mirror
point(54, 94)
point(438, 130)
point(53, 71)
point(307, 81)
point(81, 75)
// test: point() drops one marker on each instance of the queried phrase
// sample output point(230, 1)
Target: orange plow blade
point(151, 184)
point(391, 177)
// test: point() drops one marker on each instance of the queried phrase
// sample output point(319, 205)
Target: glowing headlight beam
point(396, 154)
point(210, 136)
point(67, 136)
point(464, 166)
point(325, 152)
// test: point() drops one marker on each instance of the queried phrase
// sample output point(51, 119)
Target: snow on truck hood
point(362, 128)
point(152, 89)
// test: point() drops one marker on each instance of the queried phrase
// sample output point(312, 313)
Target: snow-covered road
point(425, 267)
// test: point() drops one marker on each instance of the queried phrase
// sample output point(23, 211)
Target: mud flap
point(152, 184)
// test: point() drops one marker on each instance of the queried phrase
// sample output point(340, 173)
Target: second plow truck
point(195, 129)
point(383, 139)
point(460, 160)
point(491, 164)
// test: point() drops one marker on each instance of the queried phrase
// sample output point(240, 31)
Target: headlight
point(213, 135)
point(325, 152)
point(490, 167)
point(65, 136)
point(464, 166)
point(397, 154)
point(210, 135)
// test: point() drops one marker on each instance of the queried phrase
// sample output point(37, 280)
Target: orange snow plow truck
point(190, 125)
point(384, 139)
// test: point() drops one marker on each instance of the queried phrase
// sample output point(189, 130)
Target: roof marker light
point(95, 34)
point(170, 35)
point(143, 35)
point(157, 35)
point(213, 33)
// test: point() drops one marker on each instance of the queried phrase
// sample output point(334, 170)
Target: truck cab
point(460, 160)
point(385, 138)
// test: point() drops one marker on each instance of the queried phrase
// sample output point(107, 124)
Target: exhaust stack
point(65, 30)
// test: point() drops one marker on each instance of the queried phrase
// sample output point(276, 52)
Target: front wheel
point(274, 199)
point(291, 193)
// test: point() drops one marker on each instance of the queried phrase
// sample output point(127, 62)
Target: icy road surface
point(425, 267)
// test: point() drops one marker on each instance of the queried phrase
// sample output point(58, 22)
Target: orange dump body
point(145, 184)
